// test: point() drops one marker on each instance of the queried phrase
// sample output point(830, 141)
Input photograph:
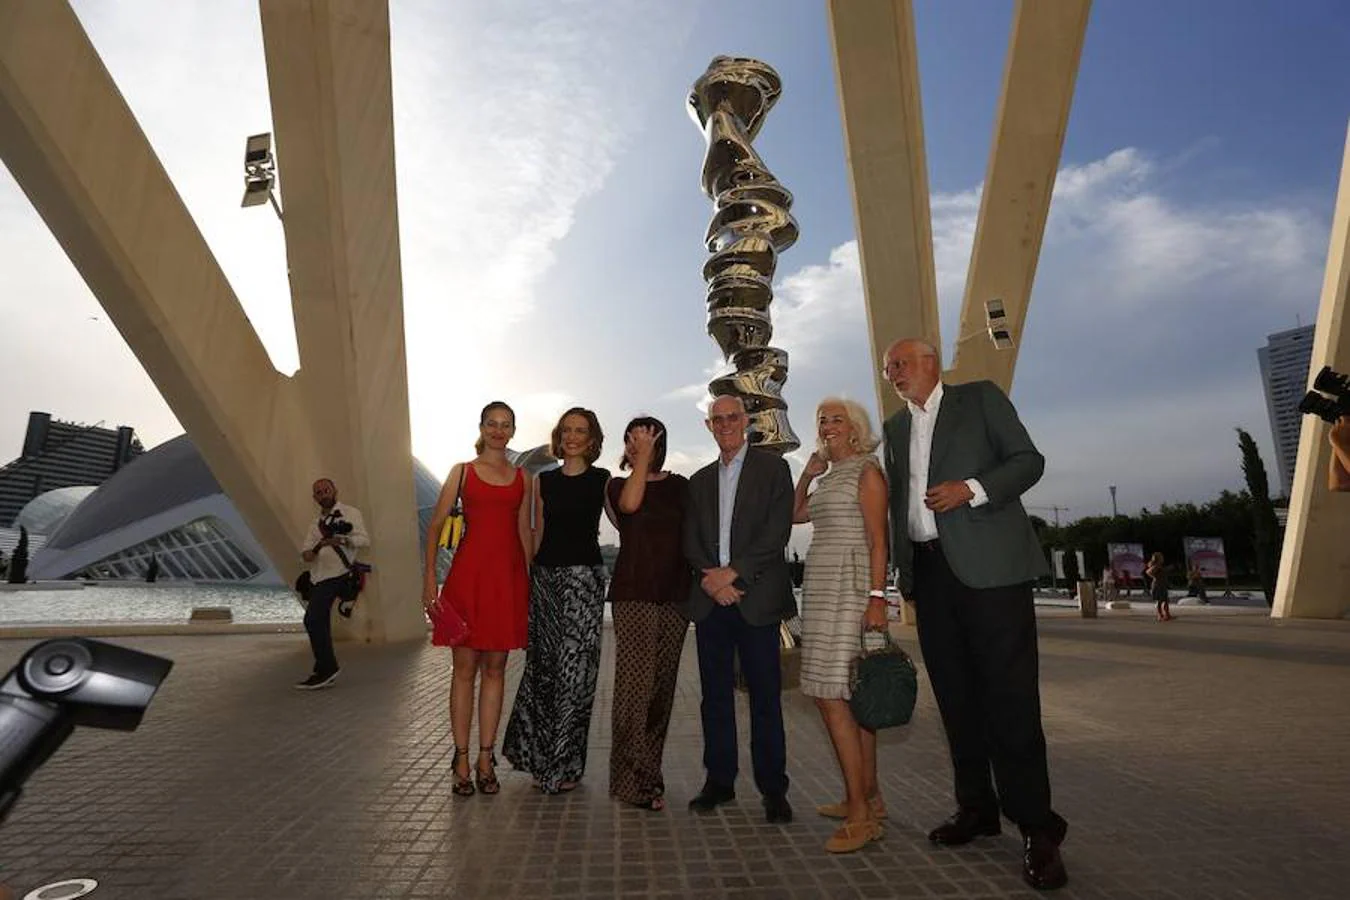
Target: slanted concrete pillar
point(877, 65)
point(73, 145)
point(1033, 115)
point(329, 77)
point(1315, 562)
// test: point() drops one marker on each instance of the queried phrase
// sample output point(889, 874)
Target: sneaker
point(317, 681)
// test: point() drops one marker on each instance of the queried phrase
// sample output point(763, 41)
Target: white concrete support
point(877, 64)
point(1033, 115)
point(329, 76)
point(73, 145)
point(1314, 579)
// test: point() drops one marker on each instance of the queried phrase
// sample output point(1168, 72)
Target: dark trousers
point(722, 636)
point(979, 647)
point(319, 622)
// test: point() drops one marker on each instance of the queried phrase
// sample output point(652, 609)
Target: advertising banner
point(1207, 554)
point(1126, 560)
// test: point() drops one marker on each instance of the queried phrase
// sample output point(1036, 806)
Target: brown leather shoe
point(964, 826)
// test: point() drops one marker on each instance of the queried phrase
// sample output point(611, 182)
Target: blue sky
point(552, 220)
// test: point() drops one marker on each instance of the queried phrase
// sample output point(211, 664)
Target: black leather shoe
point(964, 826)
point(777, 810)
point(1042, 866)
point(711, 797)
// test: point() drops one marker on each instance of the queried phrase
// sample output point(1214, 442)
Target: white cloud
point(503, 131)
point(1139, 358)
point(508, 117)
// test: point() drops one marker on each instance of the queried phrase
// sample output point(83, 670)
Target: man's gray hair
point(739, 400)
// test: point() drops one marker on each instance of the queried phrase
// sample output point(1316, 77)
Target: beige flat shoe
point(840, 810)
point(853, 836)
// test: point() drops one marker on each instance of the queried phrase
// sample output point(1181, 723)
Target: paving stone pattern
point(1206, 757)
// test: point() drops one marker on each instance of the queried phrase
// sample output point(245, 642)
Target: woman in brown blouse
point(651, 578)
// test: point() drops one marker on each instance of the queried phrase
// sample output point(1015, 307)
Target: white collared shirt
point(921, 521)
point(728, 477)
point(328, 564)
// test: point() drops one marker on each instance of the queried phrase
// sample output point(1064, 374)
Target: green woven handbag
point(884, 685)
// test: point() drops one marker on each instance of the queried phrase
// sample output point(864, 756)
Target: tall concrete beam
point(876, 63)
point(1314, 565)
point(1033, 115)
point(75, 148)
point(329, 76)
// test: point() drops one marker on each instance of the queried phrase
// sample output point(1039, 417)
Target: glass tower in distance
point(1284, 372)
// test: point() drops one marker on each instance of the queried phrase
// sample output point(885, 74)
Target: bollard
point(1087, 599)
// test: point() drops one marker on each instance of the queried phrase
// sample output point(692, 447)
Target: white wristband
point(880, 595)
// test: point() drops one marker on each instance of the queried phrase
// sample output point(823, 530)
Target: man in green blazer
point(958, 460)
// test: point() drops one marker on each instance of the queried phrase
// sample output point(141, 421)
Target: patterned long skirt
point(546, 735)
point(648, 640)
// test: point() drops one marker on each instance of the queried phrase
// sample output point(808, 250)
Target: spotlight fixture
point(996, 318)
point(260, 172)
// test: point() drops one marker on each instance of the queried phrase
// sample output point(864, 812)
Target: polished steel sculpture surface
point(750, 226)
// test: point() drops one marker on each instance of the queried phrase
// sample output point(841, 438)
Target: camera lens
point(54, 667)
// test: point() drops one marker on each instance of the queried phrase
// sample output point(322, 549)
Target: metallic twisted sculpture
point(750, 226)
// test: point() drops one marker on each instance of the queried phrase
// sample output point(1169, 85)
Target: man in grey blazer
point(959, 459)
point(736, 529)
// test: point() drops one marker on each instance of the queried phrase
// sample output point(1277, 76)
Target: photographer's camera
point(1330, 397)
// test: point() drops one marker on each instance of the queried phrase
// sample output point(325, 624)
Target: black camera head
point(60, 684)
point(97, 684)
point(1323, 407)
point(1330, 397)
point(1329, 381)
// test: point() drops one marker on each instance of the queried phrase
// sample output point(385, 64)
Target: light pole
point(1114, 513)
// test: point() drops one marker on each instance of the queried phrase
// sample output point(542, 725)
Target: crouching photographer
point(330, 549)
point(1330, 400)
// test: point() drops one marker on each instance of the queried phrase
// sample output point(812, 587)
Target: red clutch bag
point(448, 628)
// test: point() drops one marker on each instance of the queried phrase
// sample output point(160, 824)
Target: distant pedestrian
point(1195, 583)
point(1156, 572)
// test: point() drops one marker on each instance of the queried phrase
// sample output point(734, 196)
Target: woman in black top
point(552, 713)
point(651, 580)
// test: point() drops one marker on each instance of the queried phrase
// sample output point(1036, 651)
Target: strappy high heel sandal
point(487, 781)
point(463, 784)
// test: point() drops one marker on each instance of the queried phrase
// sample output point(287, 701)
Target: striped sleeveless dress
point(835, 585)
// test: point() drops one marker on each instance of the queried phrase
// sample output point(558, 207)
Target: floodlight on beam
point(260, 173)
point(996, 321)
point(996, 327)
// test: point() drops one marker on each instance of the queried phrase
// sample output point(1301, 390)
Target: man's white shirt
point(921, 521)
point(328, 564)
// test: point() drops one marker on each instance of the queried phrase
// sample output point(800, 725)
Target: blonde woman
point(843, 592)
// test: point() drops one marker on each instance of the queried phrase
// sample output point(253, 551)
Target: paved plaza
point(1206, 757)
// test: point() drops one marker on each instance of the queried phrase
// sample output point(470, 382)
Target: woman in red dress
point(488, 587)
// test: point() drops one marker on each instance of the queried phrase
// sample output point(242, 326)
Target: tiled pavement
point(1202, 758)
